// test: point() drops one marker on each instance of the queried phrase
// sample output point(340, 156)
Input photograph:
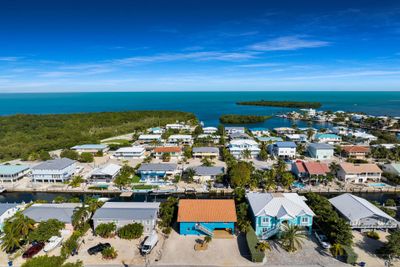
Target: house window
point(304, 220)
point(265, 220)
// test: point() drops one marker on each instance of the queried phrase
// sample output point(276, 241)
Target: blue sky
point(56, 46)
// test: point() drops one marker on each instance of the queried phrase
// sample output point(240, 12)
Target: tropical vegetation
point(242, 119)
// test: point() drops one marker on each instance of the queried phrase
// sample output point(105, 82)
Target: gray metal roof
point(205, 149)
point(6, 206)
point(128, 211)
point(12, 169)
point(239, 136)
point(206, 171)
point(320, 146)
point(158, 167)
point(54, 164)
point(355, 208)
point(43, 212)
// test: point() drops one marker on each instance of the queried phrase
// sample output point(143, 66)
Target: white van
point(149, 243)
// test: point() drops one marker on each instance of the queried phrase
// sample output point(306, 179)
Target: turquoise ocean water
point(208, 106)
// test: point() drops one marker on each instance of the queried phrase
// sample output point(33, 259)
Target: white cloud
point(288, 43)
point(11, 59)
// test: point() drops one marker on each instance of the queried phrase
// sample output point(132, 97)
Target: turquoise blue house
point(272, 211)
point(205, 216)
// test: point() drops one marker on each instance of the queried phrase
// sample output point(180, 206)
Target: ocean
point(207, 106)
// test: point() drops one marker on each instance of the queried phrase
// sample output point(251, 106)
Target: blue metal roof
point(12, 169)
point(286, 144)
point(90, 146)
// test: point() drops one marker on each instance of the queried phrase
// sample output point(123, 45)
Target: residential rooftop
point(207, 210)
point(158, 167)
point(12, 169)
point(54, 164)
point(360, 168)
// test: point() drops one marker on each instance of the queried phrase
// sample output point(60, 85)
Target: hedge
point(350, 255)
point(252, 241)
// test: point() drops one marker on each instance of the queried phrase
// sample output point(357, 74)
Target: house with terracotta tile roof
point(355, 152)
point(173, 151)
point(205, 216)
point(306, 170)
point(359, 173)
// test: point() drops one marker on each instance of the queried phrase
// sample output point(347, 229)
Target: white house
point(7, 210)
point(205, 173)
point(91, 148)
point(283, 149)
point(180, 139)
point(155, 130)
point(340, 130)
point(327, 138)
point(231, 130)
point(210, 130)
point(149, 138)
point(55, 170)
point(130, 152)
point(393, 168)
point(362, 214)
point(359, 173)
point(201, 152)
point(177, 126)
point(238, 147)
point(12, 173)
point(364, 136)
point(105, 174)
point(284, 130)
point(296, 137)
point(211, 138)
point(259, 131)
point(320, 151)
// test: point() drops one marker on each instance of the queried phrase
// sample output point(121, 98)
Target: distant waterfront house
point(205, 216)
point(284, 130)
point(259, 131)
point(7, 210)
point(231, 130)
point(123, 213)
point(156, 130)
point(90, 148)
point(269, 139)
point(157, 172)
point(327, 138)
point(235, 136)
point(210, 138)
point(210, 130)
point(173, 151)
point(308, 111)
point(202, 152)
point(356, 152)
point(55, 170)
point(239, 147)
point(361, 214)
point(300, 138)
point(205, 173)
point(105, 174)
point(180, 139)
point(366, 137)
point(320, 151)
point(306, 170)
point(43, 212)
point(12, 173)
point(283, 150)
point(340, 130)
point(137, 152)
point(359, 173)
point(271, 211)
point(393, 168)
point(149, 138)
point(177, 126)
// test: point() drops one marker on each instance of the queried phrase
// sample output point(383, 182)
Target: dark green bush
point(252, 241)
point(350, 255)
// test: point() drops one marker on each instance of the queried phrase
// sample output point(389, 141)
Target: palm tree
point(244, 225)
point(190, 173)
point(246, 154)
point(80, 216)
point(206, 162)
point(337, 250)
point(11, 239)
point(263, 246)
point(23, 224)
point(292, 238)
point(334, 167)
point(207, 239)
point(16, 230)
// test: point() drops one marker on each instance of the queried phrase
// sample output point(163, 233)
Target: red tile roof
point(167, 149)
point(355, 149)
point(316, 168)
point(300, 166)
point(207, 210)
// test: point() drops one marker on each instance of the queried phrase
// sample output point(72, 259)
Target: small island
point(242, 119)
point(284, 104)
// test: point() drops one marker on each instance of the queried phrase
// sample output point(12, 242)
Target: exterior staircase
point(204, 229)
point(271, 232)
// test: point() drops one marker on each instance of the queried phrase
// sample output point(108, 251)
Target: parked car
point(149, 243)
point(33, 250)
point(322, 240)
point(98, 248)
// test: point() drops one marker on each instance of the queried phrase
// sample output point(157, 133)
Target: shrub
point(46, 229)
point(47, 261)
point(131, 231)
point(86, 157)
point(109, 253)
point(373, 235)
point(106, 230)
point(252, 243)
point(350, 255)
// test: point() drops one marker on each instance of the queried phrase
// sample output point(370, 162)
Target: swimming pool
point(379, 185)
point(298, 184)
